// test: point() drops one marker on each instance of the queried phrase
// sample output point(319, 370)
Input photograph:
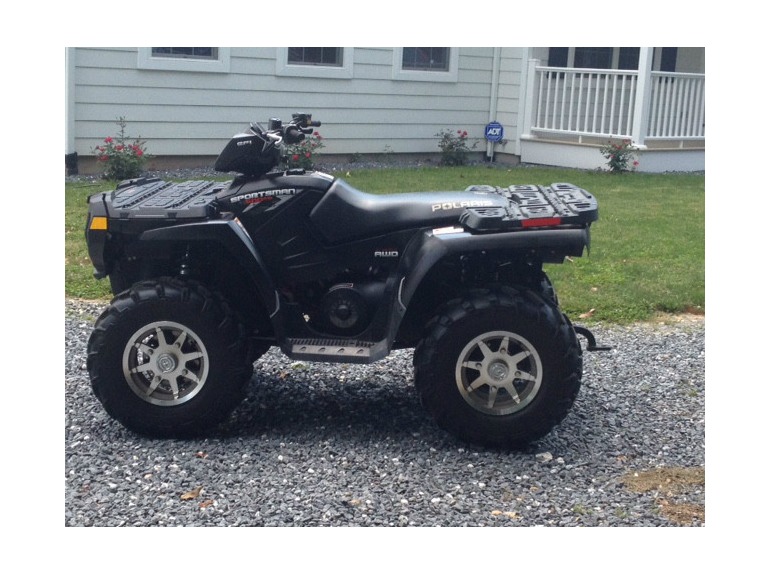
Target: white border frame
point(426, 75)
point(283, 68)
point(146, 61)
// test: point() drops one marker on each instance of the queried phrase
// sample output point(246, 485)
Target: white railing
point(677, 106)
point(602, 103)
point(584, 101)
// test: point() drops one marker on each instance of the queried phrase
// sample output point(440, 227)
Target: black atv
point(207, 276)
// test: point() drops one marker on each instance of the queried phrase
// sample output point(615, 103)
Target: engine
point(346, 309)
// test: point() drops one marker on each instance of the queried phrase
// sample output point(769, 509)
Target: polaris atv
point(207, 276)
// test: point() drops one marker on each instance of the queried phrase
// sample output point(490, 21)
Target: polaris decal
point(258, 196)
point(449, 205)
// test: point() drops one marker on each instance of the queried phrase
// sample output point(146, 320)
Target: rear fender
point(547, 245)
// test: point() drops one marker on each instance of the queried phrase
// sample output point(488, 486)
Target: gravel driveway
point(342, 445)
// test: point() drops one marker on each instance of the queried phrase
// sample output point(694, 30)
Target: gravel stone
point(320, 444)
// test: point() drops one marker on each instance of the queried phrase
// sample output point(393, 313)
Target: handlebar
point(293, 132)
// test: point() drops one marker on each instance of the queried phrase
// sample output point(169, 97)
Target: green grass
point(647, 253)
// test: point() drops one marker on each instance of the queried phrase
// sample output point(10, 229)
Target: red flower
point(108, 139)
point(636, 163)
point(307, 154)
point(295, 157)
point(118, 148)
point(139, 152)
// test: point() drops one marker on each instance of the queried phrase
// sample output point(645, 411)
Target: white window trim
point(146, 61)
point(425, 75)
point(283, 68)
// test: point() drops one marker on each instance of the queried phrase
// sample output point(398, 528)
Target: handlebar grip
point(293, 135)
point(314, 124)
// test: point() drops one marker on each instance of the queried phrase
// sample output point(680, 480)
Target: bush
point(620, 155)
point(302, 154)
point(123, 159)
point(454, 147)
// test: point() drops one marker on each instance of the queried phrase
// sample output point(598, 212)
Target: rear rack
point(532, 206)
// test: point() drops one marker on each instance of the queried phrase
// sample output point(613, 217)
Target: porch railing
point(602, 103)
point(677, 106)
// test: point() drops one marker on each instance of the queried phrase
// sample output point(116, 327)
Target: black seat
point(346, 214)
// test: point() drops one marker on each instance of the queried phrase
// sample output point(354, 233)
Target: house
point(556, 106)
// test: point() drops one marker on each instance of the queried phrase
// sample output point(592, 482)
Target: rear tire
point(168, 358)
point(499, 368)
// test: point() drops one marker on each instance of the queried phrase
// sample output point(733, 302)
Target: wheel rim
point(165, 363)
point(499, 373)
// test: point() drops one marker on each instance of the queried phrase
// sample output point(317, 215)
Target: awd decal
point(386, 253)
point(461, 204)
point(260, 196)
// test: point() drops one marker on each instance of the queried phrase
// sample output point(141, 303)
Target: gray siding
point(513, 66)
point(195, 113)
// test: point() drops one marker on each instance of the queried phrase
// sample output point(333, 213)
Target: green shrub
point(302, 155)
point(620, 156)
point(454, 147)
point(123, 159)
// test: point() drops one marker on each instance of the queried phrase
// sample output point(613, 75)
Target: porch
point(570, 112)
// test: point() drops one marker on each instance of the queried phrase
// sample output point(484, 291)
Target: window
point(425, 64)
point(628, 59)
point(425, 59)
point(667, 59)
point(197, 53)
point(315, 57)
point(558, 57)
point(184, 59)
point(593, 58)
point(314, 62)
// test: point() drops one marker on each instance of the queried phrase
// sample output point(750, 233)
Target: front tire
point(168, 358)
point(499, 368)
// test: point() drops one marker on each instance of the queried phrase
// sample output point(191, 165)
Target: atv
point(207, 276)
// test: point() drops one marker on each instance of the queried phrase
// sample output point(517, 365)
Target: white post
point(529, 100)
point(642, 102)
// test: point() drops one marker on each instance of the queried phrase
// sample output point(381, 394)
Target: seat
point(346, 214)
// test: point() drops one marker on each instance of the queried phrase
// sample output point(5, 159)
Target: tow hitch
point(589, 336)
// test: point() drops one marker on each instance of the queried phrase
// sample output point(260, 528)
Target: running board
point(335, 350)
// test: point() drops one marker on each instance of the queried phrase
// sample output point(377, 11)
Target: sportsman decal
point(259, 196)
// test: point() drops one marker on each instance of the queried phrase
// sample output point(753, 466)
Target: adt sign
point(493, 132)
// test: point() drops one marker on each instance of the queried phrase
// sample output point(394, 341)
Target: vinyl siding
point(195, 113)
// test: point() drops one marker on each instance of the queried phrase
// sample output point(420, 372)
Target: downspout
point(69, 100)
point(493, 96)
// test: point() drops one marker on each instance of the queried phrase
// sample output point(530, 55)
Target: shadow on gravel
point(309, 406)
point(312, 406)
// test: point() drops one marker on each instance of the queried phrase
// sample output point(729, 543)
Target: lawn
point(647, 253)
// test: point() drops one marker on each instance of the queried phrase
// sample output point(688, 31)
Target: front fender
point(234, 238)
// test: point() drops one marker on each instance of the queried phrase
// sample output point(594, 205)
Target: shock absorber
point(185, 269)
